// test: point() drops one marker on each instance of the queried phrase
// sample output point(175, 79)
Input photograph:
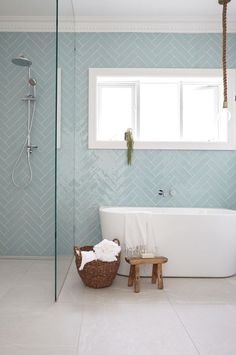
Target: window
point(166, 108)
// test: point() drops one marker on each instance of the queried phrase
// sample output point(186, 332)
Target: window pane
point(200, 112)
point(159, 112)
point(115, 114)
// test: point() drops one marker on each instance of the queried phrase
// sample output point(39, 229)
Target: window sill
point(164, 145)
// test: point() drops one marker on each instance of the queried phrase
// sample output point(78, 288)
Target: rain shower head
point(22, 61)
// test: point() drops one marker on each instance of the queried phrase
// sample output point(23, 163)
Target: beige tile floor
point(190, 316)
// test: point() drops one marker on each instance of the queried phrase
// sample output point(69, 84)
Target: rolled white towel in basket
point(107, 250)
point(86, 257)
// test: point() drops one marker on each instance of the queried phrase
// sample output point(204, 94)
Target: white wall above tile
point(114, 24)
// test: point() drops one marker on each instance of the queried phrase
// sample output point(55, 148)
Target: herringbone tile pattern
point(102, 177)
point(27, 216)
point(200, 178)
point(65, 155)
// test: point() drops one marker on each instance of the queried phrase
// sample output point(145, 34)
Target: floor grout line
point(182, 323)
point(79, 332)
point(82, 310)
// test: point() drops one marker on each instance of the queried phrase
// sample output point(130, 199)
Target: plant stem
point(130, 145)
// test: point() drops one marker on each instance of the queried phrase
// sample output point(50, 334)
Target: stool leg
point(154, 273)
point(159, 276)
point(131, 276)
point(136, 279)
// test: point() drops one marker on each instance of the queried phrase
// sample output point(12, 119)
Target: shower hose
point(27, 183)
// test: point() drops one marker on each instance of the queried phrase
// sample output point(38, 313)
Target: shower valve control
point(31, 147)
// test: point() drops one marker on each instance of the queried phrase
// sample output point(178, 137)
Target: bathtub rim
point(188, 211)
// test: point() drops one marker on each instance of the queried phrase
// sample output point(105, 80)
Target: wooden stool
point(135, 262)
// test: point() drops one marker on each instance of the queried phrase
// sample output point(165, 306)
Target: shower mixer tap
point(30, 99)
point(31, 147)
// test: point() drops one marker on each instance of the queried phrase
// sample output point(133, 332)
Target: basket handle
point(116, 241)
point(77, 251)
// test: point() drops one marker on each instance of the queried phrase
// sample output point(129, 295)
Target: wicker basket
point(97, 273)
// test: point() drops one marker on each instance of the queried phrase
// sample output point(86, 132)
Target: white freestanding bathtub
point(198, 242)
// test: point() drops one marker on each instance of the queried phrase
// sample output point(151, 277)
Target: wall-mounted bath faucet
point(171, 192)
point(162, 193)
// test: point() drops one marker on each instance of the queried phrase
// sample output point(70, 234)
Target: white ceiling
point(166, 8)
point(158, 8)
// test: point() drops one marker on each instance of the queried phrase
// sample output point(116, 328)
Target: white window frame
point(94, 73)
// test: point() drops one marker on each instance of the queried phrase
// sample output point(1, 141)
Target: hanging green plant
point(130, 145)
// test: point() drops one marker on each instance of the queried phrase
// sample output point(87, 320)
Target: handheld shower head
point(32, 81)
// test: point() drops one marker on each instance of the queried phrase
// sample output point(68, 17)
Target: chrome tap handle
point(31, 147)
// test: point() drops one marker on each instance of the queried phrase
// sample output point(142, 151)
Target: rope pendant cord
point(224, 53)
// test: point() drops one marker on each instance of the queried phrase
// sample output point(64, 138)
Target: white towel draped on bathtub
point(139, 233)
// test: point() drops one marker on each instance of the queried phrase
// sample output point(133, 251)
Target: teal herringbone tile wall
point(200, 178)
point(65, 155)
point(26, 216)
